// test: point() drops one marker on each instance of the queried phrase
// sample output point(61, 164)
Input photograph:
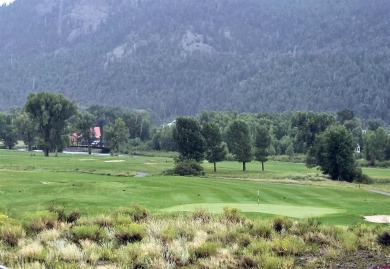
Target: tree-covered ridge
point(180, 57)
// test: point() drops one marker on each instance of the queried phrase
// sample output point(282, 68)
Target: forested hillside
point(179, 57)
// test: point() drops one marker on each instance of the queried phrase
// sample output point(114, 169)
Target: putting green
point(284, 210)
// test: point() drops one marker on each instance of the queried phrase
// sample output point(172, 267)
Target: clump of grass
point(40, 220)
point(137, 213)
point(49, 235)
point(384, 238)
point(232, 214)
point(88, 232)
point(259, 247)
point(31, 251)
point(289, 245)
point(281, 223)
point(261, 230)
point(130, 233)
point(201, 215)
point(63, 216)
point(10, 234)
point(205, 250)
point(104, 221)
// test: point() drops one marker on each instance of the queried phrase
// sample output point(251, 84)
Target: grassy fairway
point(99, 184)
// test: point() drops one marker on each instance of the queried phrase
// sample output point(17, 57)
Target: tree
point(85, 122)
point(50, 112)
point(215, 149)
point(189, 139)
point(262, 143)
point(239, 142)
point(375, 143)
point(7, 131)
point(116, 135)
point(26, 128)
point(333, 152)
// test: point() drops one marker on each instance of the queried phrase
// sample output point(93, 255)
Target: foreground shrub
point(130, 233)
point(281, 223)
point(63, 216)
point(289, 245)
point(205, 250)
point(41, 220)
point(91, 232)
point(136, 213)
point(11, 234)
point(232, 214)
point(261, 229)
point(201, 215)
point(384, 238)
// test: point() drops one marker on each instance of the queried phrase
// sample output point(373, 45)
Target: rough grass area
point(284, 210)
point(133, 238)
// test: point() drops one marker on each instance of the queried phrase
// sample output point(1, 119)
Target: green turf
point(93, 185)
point(286, 210)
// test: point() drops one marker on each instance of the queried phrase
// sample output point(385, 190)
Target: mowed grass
point(96, 184)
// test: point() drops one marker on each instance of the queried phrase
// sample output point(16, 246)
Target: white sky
point(5, 1)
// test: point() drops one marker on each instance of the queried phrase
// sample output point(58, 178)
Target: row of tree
point(47, 119)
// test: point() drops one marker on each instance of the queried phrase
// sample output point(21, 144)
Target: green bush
point(261, 229)
point(384, 238)
point(232, 214)
point(205, 250)
point(186, 168)
point(11, 234)
point(91, 232)
point(130, 233)
point(281, 223)
point(41, 220)
point(201, 215)
point(136, 212)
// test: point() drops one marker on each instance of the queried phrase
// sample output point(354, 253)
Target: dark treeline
point(181, 57)
point(214, 136)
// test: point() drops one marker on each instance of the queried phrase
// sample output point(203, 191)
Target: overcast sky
point(5, 1)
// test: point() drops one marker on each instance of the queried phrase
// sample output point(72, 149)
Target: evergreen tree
point(333, 152)
point(215, 149)
point(189, 139)
point(262, 143)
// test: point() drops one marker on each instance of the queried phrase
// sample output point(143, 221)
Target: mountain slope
point(179, 57)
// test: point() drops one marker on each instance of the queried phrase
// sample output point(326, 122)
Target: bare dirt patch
point(115, 161)
point(378, 218)
point(151, 163)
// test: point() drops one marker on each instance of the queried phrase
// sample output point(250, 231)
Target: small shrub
point(130, 233)
point(91, 232)
point(205, 250)
point(260, 247)
point(244, 240)
point(201, 215)
point(232, 214)
point(103, 221)
point(136, 212)
point(31, 251)
point(11, 234)
point(261, 229)
point(281, 223)
point(41, 220)
point(186, 168)
point(289, 245)
point(384, 238)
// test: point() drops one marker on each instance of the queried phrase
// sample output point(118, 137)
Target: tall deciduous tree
point(85, 122)
point(239, 142)
point(262, 143)
point(189, 139)
point(215, 149)
point(375, 145)
point(26, 128)
point(116, 135)
point(50, 112)
point(333, 152)
point(7, 131)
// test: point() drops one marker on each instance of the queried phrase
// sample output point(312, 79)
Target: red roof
point(96, 131)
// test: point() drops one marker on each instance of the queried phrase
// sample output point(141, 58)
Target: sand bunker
point(151, 163)
point(115, 161)
point(378, 218)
